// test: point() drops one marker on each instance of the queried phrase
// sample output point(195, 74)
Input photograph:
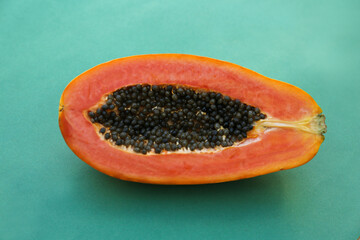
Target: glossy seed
point(102, 130)
point(104, 107)
point(107, 135)
point(91, 114)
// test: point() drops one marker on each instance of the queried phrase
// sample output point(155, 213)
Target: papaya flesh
point(288, 137)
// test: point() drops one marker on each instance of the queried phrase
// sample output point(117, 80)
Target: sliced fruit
point(116, 115)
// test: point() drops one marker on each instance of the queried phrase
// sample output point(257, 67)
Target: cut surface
point(279, 142)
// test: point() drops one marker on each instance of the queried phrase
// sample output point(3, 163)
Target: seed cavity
point(158, 118)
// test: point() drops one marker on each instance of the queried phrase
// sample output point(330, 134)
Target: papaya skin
point(289, 137)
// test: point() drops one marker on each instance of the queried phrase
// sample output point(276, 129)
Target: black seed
point(173, 147)
point(104, 107)
point(102, 130)
point(167, 146)
point(155, 88)
point(91, 114)
point(127, 142)
point(107, 135)
point(144, 89)
point(123, 135)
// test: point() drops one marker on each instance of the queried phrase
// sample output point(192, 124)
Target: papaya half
point(184, 119)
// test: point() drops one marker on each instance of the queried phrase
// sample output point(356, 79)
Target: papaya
point(185, 119)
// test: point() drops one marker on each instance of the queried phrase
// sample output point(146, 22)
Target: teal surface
point(46, 192)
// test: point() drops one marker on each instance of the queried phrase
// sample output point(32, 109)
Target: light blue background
point(46, 192)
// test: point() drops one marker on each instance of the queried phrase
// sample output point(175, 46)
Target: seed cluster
point(168, 117)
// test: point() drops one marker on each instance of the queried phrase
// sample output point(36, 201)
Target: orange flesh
point(272, 150)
